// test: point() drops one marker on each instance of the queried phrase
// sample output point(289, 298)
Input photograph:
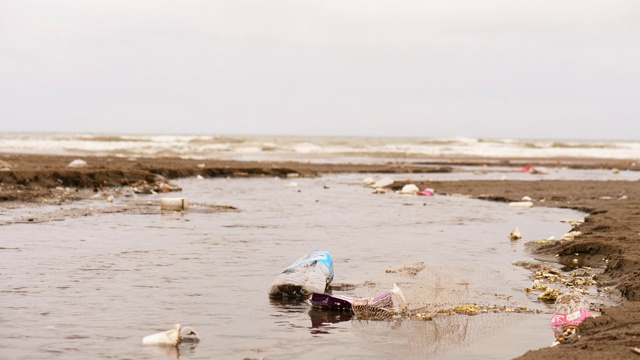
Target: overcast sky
point(510, 68)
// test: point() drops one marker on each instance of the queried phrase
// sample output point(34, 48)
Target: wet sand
point(609, 237)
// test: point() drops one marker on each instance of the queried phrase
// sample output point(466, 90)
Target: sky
point(566, 69)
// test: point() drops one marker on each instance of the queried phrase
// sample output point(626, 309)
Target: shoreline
point(609, 237)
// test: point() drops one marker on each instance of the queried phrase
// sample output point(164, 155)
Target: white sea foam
point(334, 149)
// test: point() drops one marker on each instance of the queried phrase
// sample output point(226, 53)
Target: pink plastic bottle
point(572, 308)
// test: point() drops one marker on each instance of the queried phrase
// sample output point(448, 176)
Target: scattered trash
point(201, 165)
point(379, 191)
point(399, 301)
point(311, 273)
point(549, 295)
point(77, 163)
point(615, 170)
point(523, 169)
point(521, 204)
point(426, 192)
point(578, 280)
point(389, 303)
point(174, 204)
point(293, 175)
point(573, 223)
point(571, 310)
point(110, 198)
point(160, 184)
point(173, 337)
point(346, 303)
point(526, 198)
point(409, 189)
point(199, 177)
point(571, 235)
point(292, 184)
point(515, 234)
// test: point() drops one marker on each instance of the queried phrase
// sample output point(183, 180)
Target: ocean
point(314, 149)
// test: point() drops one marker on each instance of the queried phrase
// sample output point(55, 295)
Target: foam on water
point(333, 149)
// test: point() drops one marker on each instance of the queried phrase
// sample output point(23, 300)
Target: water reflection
point(323, 318)
point(174, 352)
point(419, 339)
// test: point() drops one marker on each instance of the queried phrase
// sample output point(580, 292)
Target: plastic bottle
point(311, 273)
point(572, 308)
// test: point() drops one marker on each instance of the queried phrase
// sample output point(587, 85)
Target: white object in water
point(399, 301)
point(410, 189)
point(521, 204)
point(311, 273)
point(173, 337)
point(369, 181)
point(515, 234)
point(77, 163)
point(175, 204)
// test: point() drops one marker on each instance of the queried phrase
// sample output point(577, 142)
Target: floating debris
point(515, 234)
point(174, 204)
point(573, 223)
point(426, 192)
point(550, 295)
point(173, 337)
point(311, 273)
point(409, 189)
point(475, 309)
point(412, 270)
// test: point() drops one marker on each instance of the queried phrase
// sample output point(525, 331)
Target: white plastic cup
point(174, 204)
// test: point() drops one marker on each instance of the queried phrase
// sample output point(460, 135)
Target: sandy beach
point(609, 234)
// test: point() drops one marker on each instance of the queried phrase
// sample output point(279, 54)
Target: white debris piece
point(173, 337)
point(410, 189)
point(77, 163)
point(521, 204)
point(515, 234)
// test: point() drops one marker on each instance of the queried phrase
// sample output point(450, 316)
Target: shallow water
point(93, 286)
